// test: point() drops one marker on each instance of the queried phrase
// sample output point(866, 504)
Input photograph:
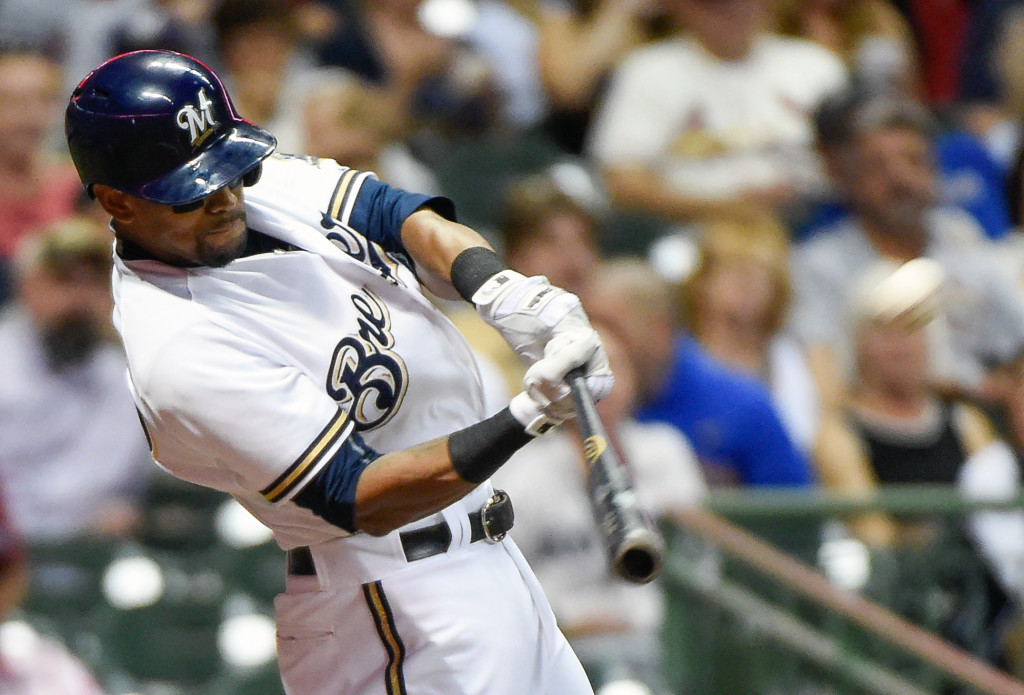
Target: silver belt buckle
point(499, 496)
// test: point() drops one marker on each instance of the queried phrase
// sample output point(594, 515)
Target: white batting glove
point(546, 402)
point(531, 415)
point(528, 311)
point(532, 314)
point(545, 379)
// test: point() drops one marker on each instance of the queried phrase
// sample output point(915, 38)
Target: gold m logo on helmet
point(199, 122)
point(593, 447)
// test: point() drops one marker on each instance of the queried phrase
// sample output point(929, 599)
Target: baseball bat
point(633, 546)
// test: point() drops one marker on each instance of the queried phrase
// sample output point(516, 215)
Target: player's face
point(212, 234)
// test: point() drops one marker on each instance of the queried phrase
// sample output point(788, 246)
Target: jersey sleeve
point(221, 413)
point(376, 210)
point(323, 194)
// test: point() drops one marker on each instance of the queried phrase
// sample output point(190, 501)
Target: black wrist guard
point(471, 269)
point(479, 450)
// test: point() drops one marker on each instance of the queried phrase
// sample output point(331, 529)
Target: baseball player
point(280, 349)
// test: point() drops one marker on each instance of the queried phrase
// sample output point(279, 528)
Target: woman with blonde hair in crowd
point(898, 428)
point(735, 303)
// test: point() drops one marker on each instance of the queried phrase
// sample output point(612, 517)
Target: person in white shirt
point(715, 119)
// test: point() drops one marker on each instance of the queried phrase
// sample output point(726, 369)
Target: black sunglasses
point(249, 178)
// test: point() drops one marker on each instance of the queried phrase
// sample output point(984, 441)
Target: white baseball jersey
point(252, 377)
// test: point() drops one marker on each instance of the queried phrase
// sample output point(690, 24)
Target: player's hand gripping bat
point(633, 546)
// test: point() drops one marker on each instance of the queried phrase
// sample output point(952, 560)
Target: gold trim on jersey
point(343, 193)
point(384, 619)
point(337, 429)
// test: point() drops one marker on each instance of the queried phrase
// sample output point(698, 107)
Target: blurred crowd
point(798, 224)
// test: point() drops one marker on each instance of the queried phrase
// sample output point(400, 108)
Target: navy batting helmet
point(160, 125)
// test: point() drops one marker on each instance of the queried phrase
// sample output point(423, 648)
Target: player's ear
point(116, 203)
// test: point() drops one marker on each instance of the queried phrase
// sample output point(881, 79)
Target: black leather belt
point(491, 522)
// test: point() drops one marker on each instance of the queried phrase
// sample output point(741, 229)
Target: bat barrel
point(633, 547)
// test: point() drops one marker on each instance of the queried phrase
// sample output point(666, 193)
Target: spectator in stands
point(579, 44)
point(967, 174)
point(874, 40)
point(441, 82)
point(954, 40)
point(897, 428)
point(716, 119)
point(72, 457)
point(994, 115)
point(887, 177)
point(37, 185)
point(505, 36)
point(736, 302)
point(613, 625)
point(174, 25)
point(547, 228)
point(34, 23)
point(350, 121)
point(990, 23)
point(95, 30)
point(258, 45)
point(727, 415)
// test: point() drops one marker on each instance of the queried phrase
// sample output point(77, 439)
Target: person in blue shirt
point(729, 419)
point(728, 416)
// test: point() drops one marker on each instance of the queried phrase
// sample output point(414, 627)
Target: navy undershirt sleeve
point(380, 210)
point(331, 494)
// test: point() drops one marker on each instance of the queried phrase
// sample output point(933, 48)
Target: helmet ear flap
point(252, 177)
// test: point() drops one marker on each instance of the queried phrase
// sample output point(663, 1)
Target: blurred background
point(797, 224)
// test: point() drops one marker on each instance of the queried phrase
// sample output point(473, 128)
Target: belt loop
point(457, 519)
point(426, 542)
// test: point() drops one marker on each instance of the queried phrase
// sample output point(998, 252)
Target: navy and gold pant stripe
point(321, 450)
point(385, 622)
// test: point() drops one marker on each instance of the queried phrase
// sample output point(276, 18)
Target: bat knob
point(639, 559)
